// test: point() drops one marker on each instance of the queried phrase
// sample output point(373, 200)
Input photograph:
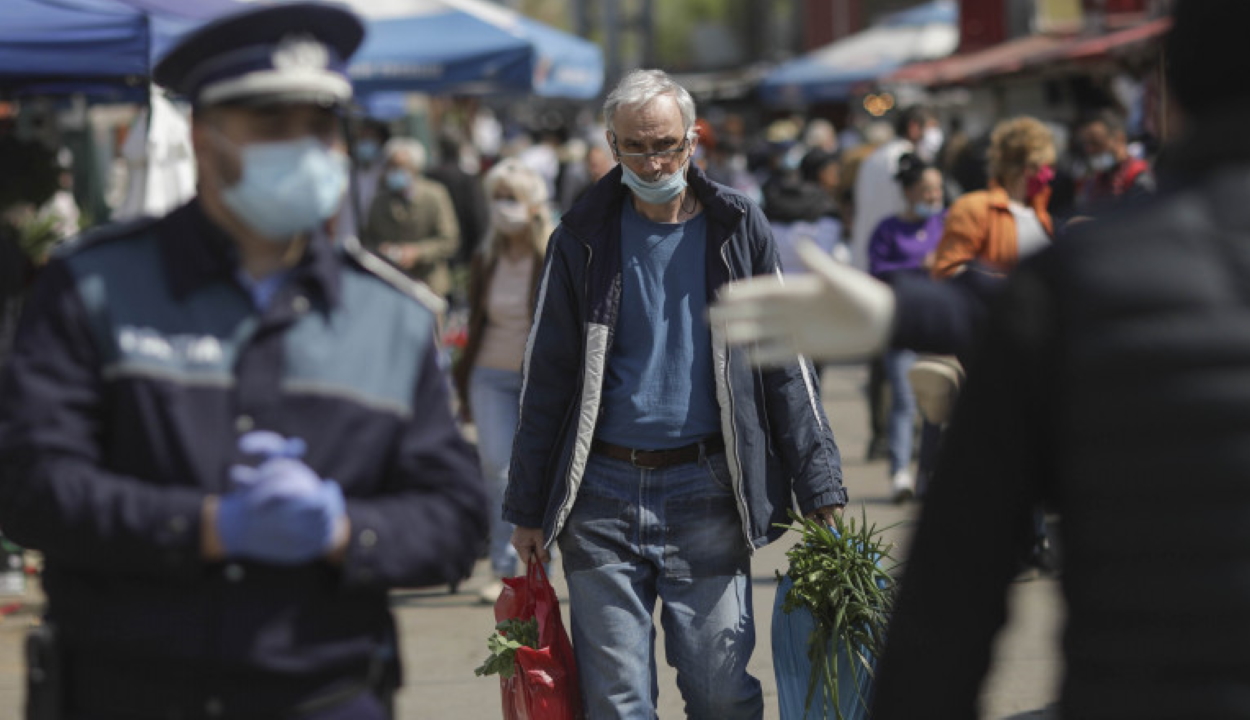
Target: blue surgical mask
point(398, 180)
point(367, 151)
point(655, 192)
point(925, 210)
point(287, 187)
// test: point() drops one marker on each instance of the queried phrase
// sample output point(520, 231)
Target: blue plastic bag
point(793, 669)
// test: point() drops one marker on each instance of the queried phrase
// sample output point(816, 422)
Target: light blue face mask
point(655, 192)
point(398, 180)
point(925, 210)
point(367, 151)
point(288, 187)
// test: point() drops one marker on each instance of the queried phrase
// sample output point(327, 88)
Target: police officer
point(229, 435)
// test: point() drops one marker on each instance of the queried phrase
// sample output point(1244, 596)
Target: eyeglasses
point(658, 154)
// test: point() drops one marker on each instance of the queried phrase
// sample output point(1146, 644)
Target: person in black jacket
point(15, 272)
point(1111, 381)
point(229, 436)
point(466, 194)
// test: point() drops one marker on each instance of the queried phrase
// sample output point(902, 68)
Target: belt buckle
point(633, 459)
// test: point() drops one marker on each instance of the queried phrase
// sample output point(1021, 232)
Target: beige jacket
point(422, 216)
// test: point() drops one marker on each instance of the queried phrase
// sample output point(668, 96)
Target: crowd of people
point(1103, 380)
point(182, 392)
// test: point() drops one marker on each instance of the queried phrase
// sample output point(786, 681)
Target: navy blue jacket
point(779, 444)
point(139, 362)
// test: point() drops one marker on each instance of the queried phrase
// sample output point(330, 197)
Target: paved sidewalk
point(444, 635)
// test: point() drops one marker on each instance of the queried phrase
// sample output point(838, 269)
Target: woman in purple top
point(903, 243)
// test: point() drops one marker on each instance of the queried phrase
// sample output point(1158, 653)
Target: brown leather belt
point(656, 459)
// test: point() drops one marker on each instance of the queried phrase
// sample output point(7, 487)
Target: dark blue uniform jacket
point(139, 362)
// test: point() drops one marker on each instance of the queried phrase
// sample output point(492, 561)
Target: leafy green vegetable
point(838, 576)
point(38, 236)
point(509, 635)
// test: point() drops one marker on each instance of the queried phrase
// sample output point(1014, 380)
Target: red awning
point(1007, 57)
point(1027, 52)
point(1094, 48)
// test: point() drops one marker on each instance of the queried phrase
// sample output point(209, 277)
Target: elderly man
point(412, 220)
point(655, 456)
point(229, 436)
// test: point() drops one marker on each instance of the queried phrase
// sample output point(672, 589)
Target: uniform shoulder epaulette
point(102, 234)
point(393, 276)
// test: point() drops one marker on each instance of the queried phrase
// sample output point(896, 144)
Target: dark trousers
point(879, 400)
point(365, 706)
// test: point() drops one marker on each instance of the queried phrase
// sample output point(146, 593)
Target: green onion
point(839, 578)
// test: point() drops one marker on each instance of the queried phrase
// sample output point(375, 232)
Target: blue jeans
point(495, 401)
point(902, 408)
point(636, 535)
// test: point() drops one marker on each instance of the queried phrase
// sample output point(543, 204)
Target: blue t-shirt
point(659, 391)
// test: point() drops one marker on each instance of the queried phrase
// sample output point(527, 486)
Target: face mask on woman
point(1039, 181)
point(509, 216)
point(926, 210)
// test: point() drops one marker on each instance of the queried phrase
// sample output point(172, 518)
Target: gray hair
point(640, 87)
point(410, 149)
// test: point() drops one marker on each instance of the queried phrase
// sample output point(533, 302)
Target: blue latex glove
point(280, 512)
point(269, 445)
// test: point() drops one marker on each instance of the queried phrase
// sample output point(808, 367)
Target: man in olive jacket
point(412, 220)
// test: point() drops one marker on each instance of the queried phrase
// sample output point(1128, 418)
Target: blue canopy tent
point(470, 47)
point(92, 46)
point(831, 73)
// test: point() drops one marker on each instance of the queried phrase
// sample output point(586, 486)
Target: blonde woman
point(999, 226)
point(503, 282)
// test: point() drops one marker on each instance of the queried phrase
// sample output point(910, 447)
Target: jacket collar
point(196, 252)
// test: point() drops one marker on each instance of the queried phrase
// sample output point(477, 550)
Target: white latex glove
point(834, 313)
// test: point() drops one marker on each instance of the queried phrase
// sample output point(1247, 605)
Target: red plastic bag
point(544, 685)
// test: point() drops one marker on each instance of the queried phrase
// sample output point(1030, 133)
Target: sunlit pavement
point(444, 635)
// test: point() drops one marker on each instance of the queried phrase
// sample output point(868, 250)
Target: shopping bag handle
point(535, 570)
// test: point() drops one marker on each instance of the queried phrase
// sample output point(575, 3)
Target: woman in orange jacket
point(998, 226)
